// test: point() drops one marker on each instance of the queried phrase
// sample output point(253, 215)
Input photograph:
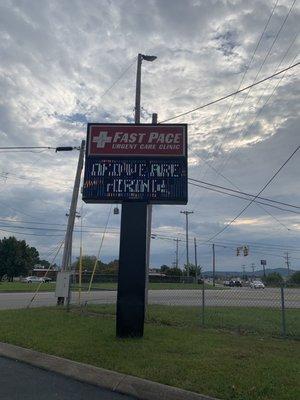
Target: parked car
point(36, 279)
point(45, 279)
point(237, 284)
point(233, 283)
point(257, 285)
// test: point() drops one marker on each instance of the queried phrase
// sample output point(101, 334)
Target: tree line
point(17, 258)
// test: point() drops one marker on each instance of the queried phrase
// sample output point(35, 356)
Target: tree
point(16, 257)
point(44, 263)
point(88, 263)
point(295, 278)
point(192, 270)
point(173, 271)
point(110, 268)
point(164, 268)
point(273, 279)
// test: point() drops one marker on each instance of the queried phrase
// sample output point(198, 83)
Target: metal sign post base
point(132, 270)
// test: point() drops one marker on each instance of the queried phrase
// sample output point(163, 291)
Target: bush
point(273, 279)
point(295, 278)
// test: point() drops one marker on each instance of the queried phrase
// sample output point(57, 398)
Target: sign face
point(136, 140)
point(126, 162)
point(263, 262)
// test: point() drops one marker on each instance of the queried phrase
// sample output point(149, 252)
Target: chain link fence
point(270, 311)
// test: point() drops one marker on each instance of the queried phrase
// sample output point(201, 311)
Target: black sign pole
point(133, 254)
point(132, 270)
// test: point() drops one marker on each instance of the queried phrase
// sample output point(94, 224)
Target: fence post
point(203, 302)
point(283, 322)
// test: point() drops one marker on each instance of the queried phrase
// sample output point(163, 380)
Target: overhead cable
point(251, 201)
point(243, 193)
point(230, 94)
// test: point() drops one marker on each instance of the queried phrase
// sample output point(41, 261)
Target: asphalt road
point(19, 381)
point(234, 297)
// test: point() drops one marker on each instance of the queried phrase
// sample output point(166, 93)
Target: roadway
point(20, 381)
point(233, 297)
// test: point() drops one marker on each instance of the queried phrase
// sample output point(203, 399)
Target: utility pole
point(214, 264)
point(253, 269)
point(287, 262)
point(196, 262)
point(186, 213)
point(244, 268)
point(66, 259)
point(176, 252)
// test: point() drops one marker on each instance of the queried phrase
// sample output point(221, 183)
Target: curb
point(142, 389)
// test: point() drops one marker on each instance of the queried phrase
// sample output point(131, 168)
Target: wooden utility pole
point(196, 261)
point(214, 264)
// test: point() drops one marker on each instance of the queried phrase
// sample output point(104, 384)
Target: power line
point(100, 248)
point(267, 55)
point(50, 229)
point(258, 112)
point(26, 234)
point(118, 79)
point(230, 94)
point(244, 198)
point(16, 210)
point(26, 147)
point(249, 64)
point(47, 223)
point(248, 205)
point(233, 184)
point(244, 193)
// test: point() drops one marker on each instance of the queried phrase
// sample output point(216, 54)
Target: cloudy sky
point(60, 64)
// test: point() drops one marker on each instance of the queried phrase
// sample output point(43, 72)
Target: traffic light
point(237, 251)
point(246, 250)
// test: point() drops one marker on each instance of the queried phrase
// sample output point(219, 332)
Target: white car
point(257, 285)
point(36, 279)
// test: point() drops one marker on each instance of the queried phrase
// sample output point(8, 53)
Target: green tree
point(295, 278)
point(192, 270)
point(110, 268)
point(173, 271)
point(88, 263)
point(44, 263)
point(273, 279)
point(16, 257)
point(164, 269)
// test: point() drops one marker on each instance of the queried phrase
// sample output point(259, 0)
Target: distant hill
point(281, 271)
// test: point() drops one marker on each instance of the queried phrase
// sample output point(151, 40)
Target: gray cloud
point(59, 57)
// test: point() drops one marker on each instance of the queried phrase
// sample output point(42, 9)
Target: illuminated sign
point(126, 162)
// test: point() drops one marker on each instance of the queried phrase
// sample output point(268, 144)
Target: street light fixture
point(148, 58)
point(140, 58)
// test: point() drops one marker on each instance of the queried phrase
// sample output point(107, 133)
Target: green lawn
point(244, 320)
point(31, 287)
point(152, 286)
point(25, 287)
point(217, 363)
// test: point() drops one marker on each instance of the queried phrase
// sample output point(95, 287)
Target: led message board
point(127, 162)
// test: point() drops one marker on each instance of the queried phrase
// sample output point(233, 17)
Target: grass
point(25, 287)
point(244, 320)
point(221, 364)
point(31, 287)
point(153, 286)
